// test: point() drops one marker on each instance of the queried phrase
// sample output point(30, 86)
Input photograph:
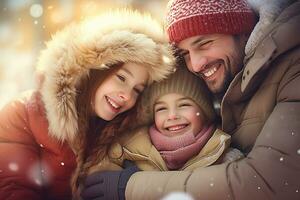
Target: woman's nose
point(125, 96)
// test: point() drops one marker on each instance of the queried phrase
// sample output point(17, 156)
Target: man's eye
point(205, 44)
point(184, 54)
point(121, 78)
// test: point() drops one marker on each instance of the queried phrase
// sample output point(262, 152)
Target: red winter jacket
point(33, 165)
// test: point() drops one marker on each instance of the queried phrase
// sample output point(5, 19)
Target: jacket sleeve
point(19, 156)
point(270, 171)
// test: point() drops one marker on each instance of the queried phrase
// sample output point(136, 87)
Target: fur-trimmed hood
point(118, 36)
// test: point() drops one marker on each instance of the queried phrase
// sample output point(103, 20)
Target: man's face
point(217, 58)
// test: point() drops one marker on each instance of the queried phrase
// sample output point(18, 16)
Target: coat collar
point(138, 147)
point(278, 38)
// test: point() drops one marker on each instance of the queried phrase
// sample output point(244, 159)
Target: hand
point(108, 185)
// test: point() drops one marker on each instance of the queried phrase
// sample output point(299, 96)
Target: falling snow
point(258, 187)
point(36, 10)
point(298, 151)
point(293, 133)
point(62, 163)
point(178, 196)
point(211, 184)
point(197, 113)
point(38, 181)
point(281, 159)
point(13, 167)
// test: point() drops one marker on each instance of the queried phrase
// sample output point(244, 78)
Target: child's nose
point(173, 115)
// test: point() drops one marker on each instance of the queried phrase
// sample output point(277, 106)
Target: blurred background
point(25, 26)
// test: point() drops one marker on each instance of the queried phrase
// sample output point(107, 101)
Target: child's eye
point(121, 78)
point(184, 105)
point(160, 109)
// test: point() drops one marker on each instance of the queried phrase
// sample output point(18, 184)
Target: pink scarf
point(177, 150)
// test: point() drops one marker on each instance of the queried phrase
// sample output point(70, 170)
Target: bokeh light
point(25, 26)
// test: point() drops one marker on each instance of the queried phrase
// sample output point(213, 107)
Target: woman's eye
point(121, 78)
point(137, 91)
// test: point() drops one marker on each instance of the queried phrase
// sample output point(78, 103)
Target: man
point(259, 93)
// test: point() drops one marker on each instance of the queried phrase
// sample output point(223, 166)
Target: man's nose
point(198, 62)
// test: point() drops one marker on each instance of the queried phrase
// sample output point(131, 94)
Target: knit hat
point(187, 18)
point(183, 82)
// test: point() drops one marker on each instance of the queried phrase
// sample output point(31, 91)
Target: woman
point(93, 73)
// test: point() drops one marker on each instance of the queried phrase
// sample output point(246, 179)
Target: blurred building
point(25, 25)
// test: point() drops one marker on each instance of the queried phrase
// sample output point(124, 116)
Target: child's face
point(119, 91)
point(175, 114)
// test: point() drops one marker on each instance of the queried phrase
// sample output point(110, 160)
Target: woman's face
point(175, 114)
point(120, 90)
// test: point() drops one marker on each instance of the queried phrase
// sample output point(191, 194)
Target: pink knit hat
point(187, 18)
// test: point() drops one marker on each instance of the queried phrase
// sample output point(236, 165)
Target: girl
point(93, 73)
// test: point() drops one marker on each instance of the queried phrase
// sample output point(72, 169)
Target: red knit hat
point(187, 18)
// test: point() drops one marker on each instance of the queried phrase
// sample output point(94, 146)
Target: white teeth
point(112, 103)
point(175, 128)
point(210, 72)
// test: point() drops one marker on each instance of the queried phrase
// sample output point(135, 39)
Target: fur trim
point(120, 36)
point(268, 11)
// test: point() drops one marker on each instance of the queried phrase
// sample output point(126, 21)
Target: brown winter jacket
point(37, 130)
point(137, 146)
point(261, 111)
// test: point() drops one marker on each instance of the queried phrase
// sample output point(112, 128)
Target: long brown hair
point(95, 135)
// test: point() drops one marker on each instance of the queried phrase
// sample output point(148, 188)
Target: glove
point(108, 185)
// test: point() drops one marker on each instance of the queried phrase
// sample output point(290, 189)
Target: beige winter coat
point(137, 146)
point(261, 111)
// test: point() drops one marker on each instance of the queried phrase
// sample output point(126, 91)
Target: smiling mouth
point(115, 107)
point(209, 72)
point(176, 128)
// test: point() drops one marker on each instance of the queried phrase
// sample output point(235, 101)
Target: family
point(206, 104)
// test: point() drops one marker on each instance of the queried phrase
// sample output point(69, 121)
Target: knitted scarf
point(177, 150)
